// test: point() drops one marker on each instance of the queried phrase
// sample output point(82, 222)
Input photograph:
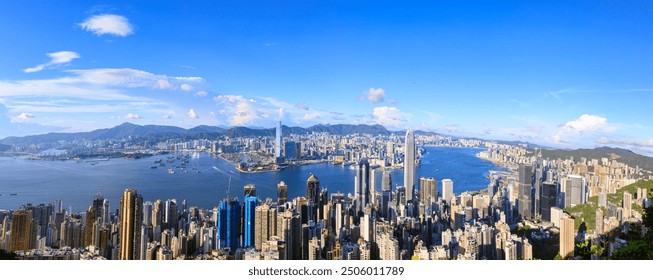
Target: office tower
point(249, 204)
point(409, 165)
point(537, 184)
point(525, 195)
point(106, 212)
point(277, 142)
point(21, 231)
point(131, 220)
point(427, 190)
point(147, 213)
point(98, 205)
point(566, 236)
point(228, 226)
point(578, 188)
point(447, 190)
point(282, 193)
point(265, 224)
point(312, 197)
point(549, 198)
point(293, 150)
point(372, 199)
point(170, 214)
point(386, 193)
point(41, 214)
point(556, 215)
point(362, 185)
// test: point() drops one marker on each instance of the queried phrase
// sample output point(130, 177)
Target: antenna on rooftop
point(229, 187)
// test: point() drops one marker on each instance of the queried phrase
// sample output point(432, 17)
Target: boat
point(154, 167)
point(13, 194)
point(171, 171)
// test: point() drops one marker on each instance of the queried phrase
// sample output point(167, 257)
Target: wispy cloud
point(389, 116)
point(108, 24)
point(132, 116)
point(56, 58)
point(25, 116)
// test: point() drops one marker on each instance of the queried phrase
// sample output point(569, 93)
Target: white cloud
point(201, 93)
point(132, 116)
point(311, 116)
point(192, 114)
point(108, 24)
point(375, 95)
point(186, 87)
point(166, 116)
point(585, 124)
point(25, 116)
point(57, 58)
point(163, 84)
point(389, 116)
point(241, 111)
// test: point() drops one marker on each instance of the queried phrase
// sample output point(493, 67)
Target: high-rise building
point(277, 142)
point(447, 190)
point(627, 204)
point(525, 192)
point(282, 193)
point(265, 224)
point(293, 150)
point(362, 185)
point(249, 204)
point(386, 193)
point(409, 165)
point(578, 187)
point(312, 196)
point(131, 220)
point(548, 200)
point(21, 231)
point(427, 190)
point(599, 221)
point(566, 236)
point(228, 226)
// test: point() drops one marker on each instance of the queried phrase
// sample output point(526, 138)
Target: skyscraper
point(578, 187)
point(525, 186)
point(228, 230)
point(282, 193)
point(131, 220)
point(249, 203)
point(548, 200)
point(312, 196)
point(386, 193)
point(362, 185)
point(447, 190)
point(427, 190)
point(277, 142)
point(409, 165)
point(566, 236)
point(21, 229)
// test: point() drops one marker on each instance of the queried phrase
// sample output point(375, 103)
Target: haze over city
point(566, 75)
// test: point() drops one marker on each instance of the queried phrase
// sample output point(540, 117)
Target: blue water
point(77, 182)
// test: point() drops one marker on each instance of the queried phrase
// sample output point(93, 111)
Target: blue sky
point(555, 73)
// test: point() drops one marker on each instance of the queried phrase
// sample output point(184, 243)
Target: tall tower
point(409, 165)
point(362, 186)
point(21, 230)
point(427, 190)
point(229, 224)
point(277, 142)
point(131, 219)
point(566, 236)
point(386, 193)
point(249, 203)
point(447, 190)
point(525, 197)
point(282, 193)
point(312, 196)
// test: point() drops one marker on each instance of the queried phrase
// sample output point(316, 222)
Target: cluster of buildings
point(408, 221)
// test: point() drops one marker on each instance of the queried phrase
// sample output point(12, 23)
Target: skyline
point(558, 75)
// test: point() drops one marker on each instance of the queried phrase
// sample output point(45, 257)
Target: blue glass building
point(229, 224)
point(249, 204)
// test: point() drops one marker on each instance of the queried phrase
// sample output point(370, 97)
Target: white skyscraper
point(409, 165)
point(277, 143)
point(447, 189)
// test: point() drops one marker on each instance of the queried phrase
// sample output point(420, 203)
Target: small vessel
point(154, 167)
point(171, 171)
point(13, 194)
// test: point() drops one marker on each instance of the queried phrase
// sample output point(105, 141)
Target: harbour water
point(205, 179)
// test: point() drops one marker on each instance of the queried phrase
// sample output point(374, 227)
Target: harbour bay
point(205, 180)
